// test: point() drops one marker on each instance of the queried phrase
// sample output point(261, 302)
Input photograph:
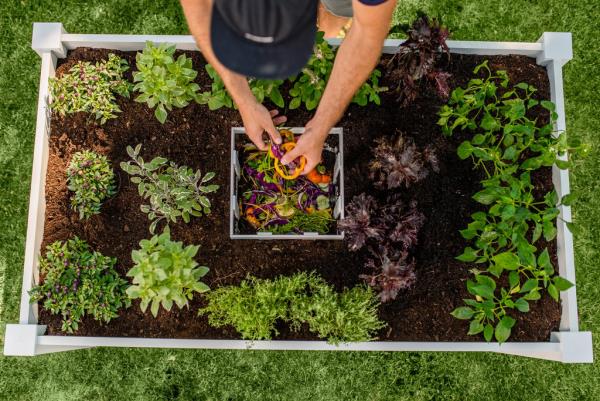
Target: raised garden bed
point(419, 318)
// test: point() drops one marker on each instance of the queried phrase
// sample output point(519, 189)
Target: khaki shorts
point(340, 8)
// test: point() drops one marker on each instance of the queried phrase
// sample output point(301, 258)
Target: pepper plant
point(90, 88)
point(92, 180)
point(77, 281)
point(162, 81)
point(508, 146)
point(164, 273)
point(172, 191)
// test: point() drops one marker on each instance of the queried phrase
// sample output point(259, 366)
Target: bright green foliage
point(173, 191)
point(92, 180)
point(267, 89)
point(218, 96)
point(310, 85)
point(77, 281)
point(164, 82)
point(369, 91)
point(90, 88)
point(255, 306)
point(507, 145)
point(165, 273)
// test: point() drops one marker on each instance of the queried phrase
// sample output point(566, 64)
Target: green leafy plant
point(267, 89)
point(173, 191)
point(90, 88)
point(164, 273)
point(164, 82)
point(310, 84)
point(77, 281)
point(507, 145)
point(218, 96)
point(255, 306)
point(92, 180)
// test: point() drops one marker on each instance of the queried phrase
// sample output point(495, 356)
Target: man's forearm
point(198, 15)
point(356, 58)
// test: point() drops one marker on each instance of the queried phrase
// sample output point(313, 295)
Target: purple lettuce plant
point(417, 57)
point(390, 276)
point(389, 232)
point(399, 162)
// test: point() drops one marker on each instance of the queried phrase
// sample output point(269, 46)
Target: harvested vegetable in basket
point(280, 199)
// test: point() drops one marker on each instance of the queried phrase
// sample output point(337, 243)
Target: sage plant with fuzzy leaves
point(165, 273)
point(162, 81)
point(172, 191)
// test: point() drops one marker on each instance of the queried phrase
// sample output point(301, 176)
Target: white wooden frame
point(338, 179)
point(51, 41)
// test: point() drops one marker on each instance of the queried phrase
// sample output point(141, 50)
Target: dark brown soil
point(199, 138)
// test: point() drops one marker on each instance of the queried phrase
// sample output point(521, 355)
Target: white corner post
point(22, 339)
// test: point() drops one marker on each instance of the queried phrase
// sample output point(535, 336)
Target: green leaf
point(543, 259)
point(486, 196)
point(502, 332)
point(529, 285)
point(468, 255)
point(475, 327)
point(553, 291)
point(160, 113)
point(562, 284)
point(568, 199)
point(295, 103)
point(464, 150)
point(462, 312)
point(508, 260)
point(522, 305)
point(488, 332)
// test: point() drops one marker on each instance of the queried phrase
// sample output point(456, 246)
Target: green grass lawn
point(111, 374)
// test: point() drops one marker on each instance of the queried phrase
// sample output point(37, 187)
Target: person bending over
point(273, 39)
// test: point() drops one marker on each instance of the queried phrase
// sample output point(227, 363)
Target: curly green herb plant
point(165, 273)
point(92, 181)
point(77, 281)
point(162, 81)
point(255, 306)
point(508, 146)
point(90, 88)
point(172, 191)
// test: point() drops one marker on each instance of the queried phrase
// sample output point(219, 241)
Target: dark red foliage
point(390, 276)
point(417, 58)
point(398, 161)
point(389, 231)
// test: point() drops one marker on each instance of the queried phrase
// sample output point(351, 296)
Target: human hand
point(309, 145)
point(257, 120)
